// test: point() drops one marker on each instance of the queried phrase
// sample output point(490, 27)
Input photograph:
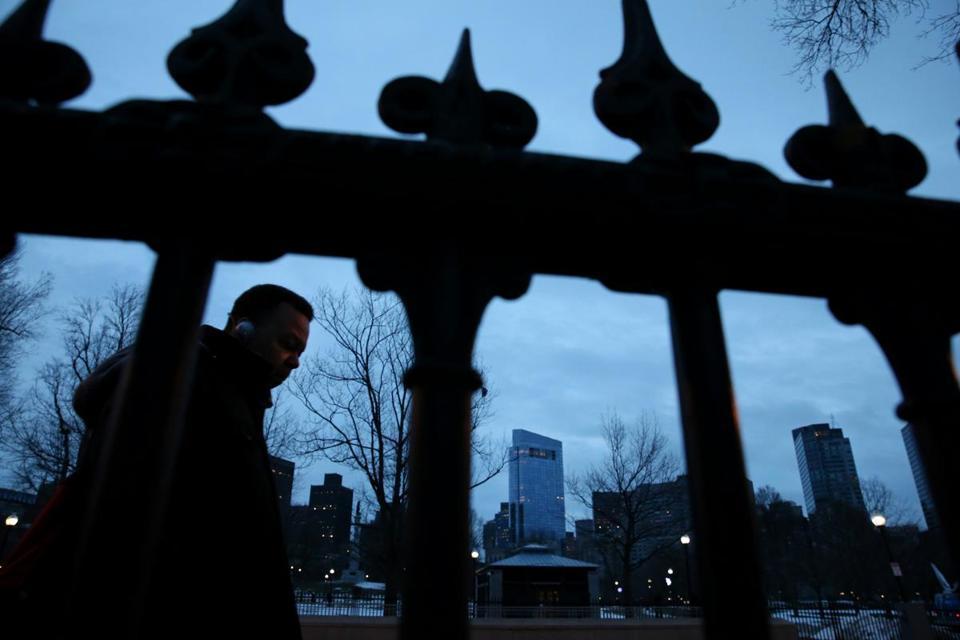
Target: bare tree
point(784, 546)
point(628, 494)
point(879, 498)
point(21, 308)
point(945, 26)
point(476, 531)
point(766, 496)
point(360, 410)
point(842, 33)
point(283, 429)
point(43, 435)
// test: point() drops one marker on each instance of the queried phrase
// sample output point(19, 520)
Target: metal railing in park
point(593, 612)
point(841, 622)
point(344, 605)
point(705, 222)
point(944, 623)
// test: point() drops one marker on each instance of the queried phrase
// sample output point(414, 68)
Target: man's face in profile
point(280, 339)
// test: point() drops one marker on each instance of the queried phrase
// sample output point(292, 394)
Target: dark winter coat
point(221, 569)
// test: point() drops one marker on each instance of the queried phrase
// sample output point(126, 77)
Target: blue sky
point(569, 351)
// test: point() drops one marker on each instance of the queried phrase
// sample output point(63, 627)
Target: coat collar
point(248, 370)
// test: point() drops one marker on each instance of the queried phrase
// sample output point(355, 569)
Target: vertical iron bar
point(439, 493)
point(445, 295)
point(444, 312)
point(913, 323)
point(722, 506)
point(125, 509)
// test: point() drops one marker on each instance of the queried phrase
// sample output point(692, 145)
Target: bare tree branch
point(625, 493)
point(21, 308)
point(841, 34)
point(880, 499)
point(359, 409)
point(42, 436)
point(947, 27)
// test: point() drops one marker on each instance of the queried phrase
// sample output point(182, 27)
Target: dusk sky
point(569, 351)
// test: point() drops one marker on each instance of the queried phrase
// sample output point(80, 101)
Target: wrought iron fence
point(830, 621)
point(945, 624)
point(841, 622)
point(344, 605)
point(595, 612)
point(719, 223)
point(312, 604)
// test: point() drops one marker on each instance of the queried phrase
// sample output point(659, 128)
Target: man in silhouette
point(221, 568)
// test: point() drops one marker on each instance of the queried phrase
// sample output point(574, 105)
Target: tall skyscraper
point(827, 470)
point(537, 512)
point(497, 537)
point(283, 471)
point(332, 504)
point(920, 477)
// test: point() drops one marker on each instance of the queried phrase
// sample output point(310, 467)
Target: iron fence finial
point(840, 109)
point(247, 57)
point(644, 97)
point(851, 154)
point(459, 109)
point(34, 69)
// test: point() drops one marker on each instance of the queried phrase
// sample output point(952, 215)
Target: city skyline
point(570, 350)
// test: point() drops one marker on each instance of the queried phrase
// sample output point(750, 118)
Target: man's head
point(274, 323)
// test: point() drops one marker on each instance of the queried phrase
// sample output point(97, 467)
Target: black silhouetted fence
point(673, 222)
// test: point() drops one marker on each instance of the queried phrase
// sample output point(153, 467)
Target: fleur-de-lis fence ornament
point(457, 110)
point(33, 69)
point(851, 154)
point(248, 57)
point(644, 97)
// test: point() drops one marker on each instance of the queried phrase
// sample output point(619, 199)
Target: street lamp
point(881, 523)
point(474, 556)
point(685, 543)
point(10, 523)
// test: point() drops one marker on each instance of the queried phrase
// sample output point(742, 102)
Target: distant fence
point(832, 622)
point(597, 613)
point(945, 625)
point(344, 605)
point(373, 606)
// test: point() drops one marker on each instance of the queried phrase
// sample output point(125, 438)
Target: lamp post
point(474, 556)
point(329, 576)
point(9, 523)
point(880, 523)
point(685, 543)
